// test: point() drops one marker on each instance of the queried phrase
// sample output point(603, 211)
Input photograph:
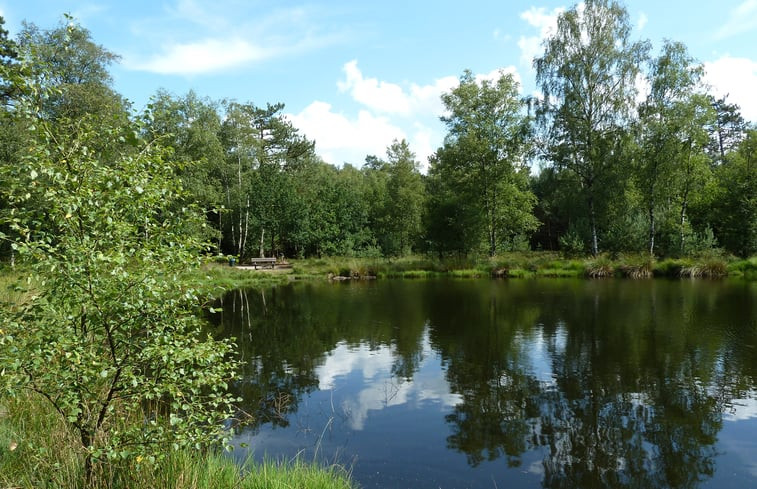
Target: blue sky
point(354, 75)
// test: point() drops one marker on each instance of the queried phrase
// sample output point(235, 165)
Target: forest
point(626, 151)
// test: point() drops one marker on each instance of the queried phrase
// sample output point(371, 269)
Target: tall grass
point(37, 451)
point(746, 268)
point(12, 290)
point(600, 267)
point(527, 265)
point(637, 266)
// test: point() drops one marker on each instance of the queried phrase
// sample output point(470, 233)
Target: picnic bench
point(262, 262)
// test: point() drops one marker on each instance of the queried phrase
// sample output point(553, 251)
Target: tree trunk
point(593, 219)
point(651, 228)
point(86, 440)
point(262, 240)
point(231, 218)
point(273, 244)
point(683, 223)
point(240, 245)
point(493, 222)
point(220, 230)
point(243, 237)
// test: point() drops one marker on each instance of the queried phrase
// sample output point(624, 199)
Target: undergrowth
point(37, 451)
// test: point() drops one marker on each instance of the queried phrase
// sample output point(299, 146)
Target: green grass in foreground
point(36, 451)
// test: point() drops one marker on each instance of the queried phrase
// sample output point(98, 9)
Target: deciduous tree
point(587, 76)
point(110, 335)
point(482, 164)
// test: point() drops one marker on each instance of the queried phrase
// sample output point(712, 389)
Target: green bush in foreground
point(110, 337)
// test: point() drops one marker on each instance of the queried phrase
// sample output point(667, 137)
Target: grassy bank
point(213, 279)
point(527, 265)
point(36, 452)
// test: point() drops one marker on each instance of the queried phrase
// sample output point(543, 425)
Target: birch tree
point(587, 76)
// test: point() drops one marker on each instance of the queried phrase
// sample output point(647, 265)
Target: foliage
point(571, 244)
point(8, 64)
point(74, 70)
point(587, 75)
point(664, 171)
point(190, 126)
point(398, 198)
point(480, 174)
point(668, 138)
point(732, 200)
point(110, 332)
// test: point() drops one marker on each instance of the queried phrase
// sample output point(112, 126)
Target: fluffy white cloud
point(543, 20)
point(388, 111)
point(424, 143)
point(378, 95)
point(741, 19)
point(737, 78)
point(209, 55)
point(341, 139)
point(391, 98)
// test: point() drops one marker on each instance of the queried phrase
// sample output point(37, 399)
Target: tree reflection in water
point(630, 392)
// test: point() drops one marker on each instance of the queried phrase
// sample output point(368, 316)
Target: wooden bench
point(262, 262)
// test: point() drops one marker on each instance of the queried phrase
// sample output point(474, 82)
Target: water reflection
point(556, 384)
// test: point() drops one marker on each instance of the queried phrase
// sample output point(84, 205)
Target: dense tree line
point(623, 151)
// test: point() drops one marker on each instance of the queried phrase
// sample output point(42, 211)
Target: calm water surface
point(504, 384)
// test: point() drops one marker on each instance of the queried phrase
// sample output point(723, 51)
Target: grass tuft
point(37, 451)
point(637, 266)
point(600, 267)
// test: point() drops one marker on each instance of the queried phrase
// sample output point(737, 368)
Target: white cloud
point(209, 55)
point(546, 23)
point(378, 95)
point(340, 138)
point(494, 75)
point(413, 99)
point(642, 22)
point(424, 143)
point(741, 19)
point(392, 98)
point(735, 77)
point(199, 38)
point(388, 111)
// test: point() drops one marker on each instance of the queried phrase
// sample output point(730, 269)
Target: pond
point(503, 384)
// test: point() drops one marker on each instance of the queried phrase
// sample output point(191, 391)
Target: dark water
point(504, 384)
